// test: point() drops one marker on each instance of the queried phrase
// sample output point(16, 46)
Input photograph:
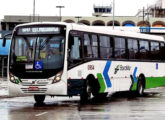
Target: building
point(9, 22)
point(156, 10)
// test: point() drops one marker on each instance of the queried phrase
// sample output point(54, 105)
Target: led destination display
point(38, 30)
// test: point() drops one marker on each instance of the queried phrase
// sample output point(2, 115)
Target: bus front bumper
point(59, 88)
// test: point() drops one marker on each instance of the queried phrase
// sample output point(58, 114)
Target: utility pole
point(34, 10)
point(143, 17)
point(113, 22)
point(60, 10)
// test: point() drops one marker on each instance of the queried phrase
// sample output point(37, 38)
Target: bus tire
point(39, 99)
point(140, 88)
point(95, 87)
point(86, 93)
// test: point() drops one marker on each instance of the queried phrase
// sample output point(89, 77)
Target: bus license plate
point(33, 88)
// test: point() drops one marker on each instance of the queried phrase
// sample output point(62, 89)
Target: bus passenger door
point(75, 69)
point(74, 48)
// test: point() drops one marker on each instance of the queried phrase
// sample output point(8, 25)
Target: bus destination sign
point(38, 30)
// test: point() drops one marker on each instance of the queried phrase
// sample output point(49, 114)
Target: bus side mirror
point(4, 42)
point(4, 39)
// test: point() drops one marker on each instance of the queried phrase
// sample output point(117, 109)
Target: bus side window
point(74, 46)
point(133, 48)
point(155, 51)
point(95, 46)
point(120, 49)
point(105, 47)
point(144, 49)
point(87, 46)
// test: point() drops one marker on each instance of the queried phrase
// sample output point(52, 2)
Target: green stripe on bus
point(134, 87)
point(101, 82)
point(152, 82)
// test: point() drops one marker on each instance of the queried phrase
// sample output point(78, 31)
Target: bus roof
point(100, 29)
point(109, 31)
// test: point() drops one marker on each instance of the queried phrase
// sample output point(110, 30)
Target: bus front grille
point(38, 84)
point(40, 90)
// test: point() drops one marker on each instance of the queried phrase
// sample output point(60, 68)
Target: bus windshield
point(49, 50)
point(40, 53)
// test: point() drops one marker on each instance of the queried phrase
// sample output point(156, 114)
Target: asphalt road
point(120, 106)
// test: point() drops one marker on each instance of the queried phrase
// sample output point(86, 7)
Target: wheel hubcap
point(141, 90)
point(88, 90)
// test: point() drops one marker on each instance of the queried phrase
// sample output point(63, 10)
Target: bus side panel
point(120, 74)
point(153, 72)
point(155, 76)
point(112, 75)
point(116, 76)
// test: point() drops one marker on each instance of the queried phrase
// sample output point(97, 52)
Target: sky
point(72, 7)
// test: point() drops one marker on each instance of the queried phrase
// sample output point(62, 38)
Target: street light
point(60, 10)
point(78, 17)
point(34, 2)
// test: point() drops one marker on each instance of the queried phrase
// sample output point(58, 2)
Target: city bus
point(67, 59)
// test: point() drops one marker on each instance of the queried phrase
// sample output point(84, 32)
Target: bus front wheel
point(39, 99)
point(86, 94)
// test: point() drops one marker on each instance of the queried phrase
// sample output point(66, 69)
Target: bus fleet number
point(91, 67)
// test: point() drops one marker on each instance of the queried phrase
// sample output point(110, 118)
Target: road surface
point(121, 106)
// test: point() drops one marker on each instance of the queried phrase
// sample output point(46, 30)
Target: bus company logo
point(117, 69)
point(122, 68)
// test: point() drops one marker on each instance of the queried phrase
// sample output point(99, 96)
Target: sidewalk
point(3, 87)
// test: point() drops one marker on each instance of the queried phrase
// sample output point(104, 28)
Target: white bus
point(64, 59)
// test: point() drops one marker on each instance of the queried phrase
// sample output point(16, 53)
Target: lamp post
point(60, 10)
point(34, 2)
point(143, 17)
point(78, 17)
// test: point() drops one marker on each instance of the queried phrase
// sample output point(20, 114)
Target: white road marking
point(41, 114)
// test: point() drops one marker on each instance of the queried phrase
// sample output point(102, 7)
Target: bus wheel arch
point(94, 84)
point(86, 91)
point(91, 86)
point(95, 87)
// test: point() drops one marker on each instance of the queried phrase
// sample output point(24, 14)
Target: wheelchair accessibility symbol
point(38, 65)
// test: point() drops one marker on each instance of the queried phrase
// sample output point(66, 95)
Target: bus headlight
point(56, 78)
point(14, 79)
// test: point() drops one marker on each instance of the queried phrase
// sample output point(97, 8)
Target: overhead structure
point(102, 10)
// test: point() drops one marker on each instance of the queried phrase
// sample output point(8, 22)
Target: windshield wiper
point(43, 44)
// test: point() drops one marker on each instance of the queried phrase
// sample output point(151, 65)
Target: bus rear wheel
point(39, 99)
point(140, 88)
